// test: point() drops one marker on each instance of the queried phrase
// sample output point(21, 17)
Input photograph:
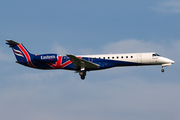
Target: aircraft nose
point(172, 62)
point(169, 61)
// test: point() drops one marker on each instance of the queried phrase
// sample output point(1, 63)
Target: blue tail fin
point(21, 53)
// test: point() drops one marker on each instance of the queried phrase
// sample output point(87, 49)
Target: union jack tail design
point(22, 55)
point(18, 53)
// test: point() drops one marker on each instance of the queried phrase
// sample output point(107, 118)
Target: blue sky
point(90, 27)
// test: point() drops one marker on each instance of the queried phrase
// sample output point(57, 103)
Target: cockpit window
point(155, 55)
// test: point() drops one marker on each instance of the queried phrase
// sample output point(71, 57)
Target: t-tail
point(23, 56)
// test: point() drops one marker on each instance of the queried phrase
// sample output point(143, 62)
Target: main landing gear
point(82, 74)
point(82, 71)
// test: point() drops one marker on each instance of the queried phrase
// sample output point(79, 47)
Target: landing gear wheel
point(82, 74)
point(82, 77)
point(162, 70)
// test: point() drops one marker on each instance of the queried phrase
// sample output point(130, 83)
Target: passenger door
point(139, 58)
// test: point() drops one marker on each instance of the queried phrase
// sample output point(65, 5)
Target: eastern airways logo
point(47, 57)
point(18, 53)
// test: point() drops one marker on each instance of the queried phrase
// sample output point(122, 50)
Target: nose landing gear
point(162, 70)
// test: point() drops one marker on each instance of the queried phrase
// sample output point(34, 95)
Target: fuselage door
point(139, 58)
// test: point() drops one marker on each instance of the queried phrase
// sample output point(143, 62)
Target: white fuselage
point(141, 58)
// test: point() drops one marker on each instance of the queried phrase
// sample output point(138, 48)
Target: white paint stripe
point(17, 51)
point(19, 55)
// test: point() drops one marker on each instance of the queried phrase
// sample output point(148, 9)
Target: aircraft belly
point(114, 63)
point(40, 65)
point(103, 64)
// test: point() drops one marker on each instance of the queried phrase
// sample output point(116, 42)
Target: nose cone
point(169, 61)
point(164, 60)
point(172, 62)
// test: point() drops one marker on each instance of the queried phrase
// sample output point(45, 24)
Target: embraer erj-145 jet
point(84, 63)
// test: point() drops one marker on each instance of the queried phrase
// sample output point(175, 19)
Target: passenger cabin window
point(108, 57)
point(112, 57)
point(121, 56)
point(126, 56)
point(131, 56)
point(103, 57)
point(117, 57)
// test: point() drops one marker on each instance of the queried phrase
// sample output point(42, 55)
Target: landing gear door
point(139, 58)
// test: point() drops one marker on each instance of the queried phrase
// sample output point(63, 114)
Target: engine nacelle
point(46, 58)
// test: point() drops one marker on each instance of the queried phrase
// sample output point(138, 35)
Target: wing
point(78, 62)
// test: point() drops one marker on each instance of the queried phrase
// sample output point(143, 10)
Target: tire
point(82, 77)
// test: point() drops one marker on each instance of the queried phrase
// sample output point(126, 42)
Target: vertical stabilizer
point(22, 55)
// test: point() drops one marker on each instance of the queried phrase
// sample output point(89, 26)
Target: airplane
point(83, 63)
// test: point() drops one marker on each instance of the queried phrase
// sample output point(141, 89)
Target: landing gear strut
point(82, 74)
point(162, 70)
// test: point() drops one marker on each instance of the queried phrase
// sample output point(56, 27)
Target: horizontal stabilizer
point(12, 43)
